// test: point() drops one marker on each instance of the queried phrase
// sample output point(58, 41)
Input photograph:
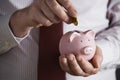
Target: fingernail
point(66, 19)
point(95, 71)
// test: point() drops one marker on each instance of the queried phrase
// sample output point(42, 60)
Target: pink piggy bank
point(77, 42)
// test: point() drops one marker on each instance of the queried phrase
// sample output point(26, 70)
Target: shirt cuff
point(19, 39)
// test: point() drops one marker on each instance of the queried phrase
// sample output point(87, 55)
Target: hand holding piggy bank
point(77, 42)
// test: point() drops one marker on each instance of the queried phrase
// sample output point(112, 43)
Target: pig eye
point(81, 41)
point(88, 39)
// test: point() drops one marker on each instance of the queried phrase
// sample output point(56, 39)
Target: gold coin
point(74, 20)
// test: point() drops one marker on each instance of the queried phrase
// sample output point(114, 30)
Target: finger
point(48, 13)
point(58, 10)
point(69, 7)
point(98, 57)
point(86, 65)
point(74, 66)
point(64, 64)
point(41, 19)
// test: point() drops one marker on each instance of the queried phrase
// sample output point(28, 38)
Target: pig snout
point(88, 50)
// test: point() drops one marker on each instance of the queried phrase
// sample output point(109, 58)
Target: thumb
point(98, 58)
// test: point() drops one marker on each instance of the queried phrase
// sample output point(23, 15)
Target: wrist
point(18, 24)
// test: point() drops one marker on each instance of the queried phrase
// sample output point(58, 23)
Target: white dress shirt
point(19, 56)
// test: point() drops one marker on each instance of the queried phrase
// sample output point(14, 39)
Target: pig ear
point(73, 35)
point(90, 32)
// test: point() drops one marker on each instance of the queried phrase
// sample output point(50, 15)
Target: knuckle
point(71, 58)
point(55, 6)
point(52, 4)
point(64, 61)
